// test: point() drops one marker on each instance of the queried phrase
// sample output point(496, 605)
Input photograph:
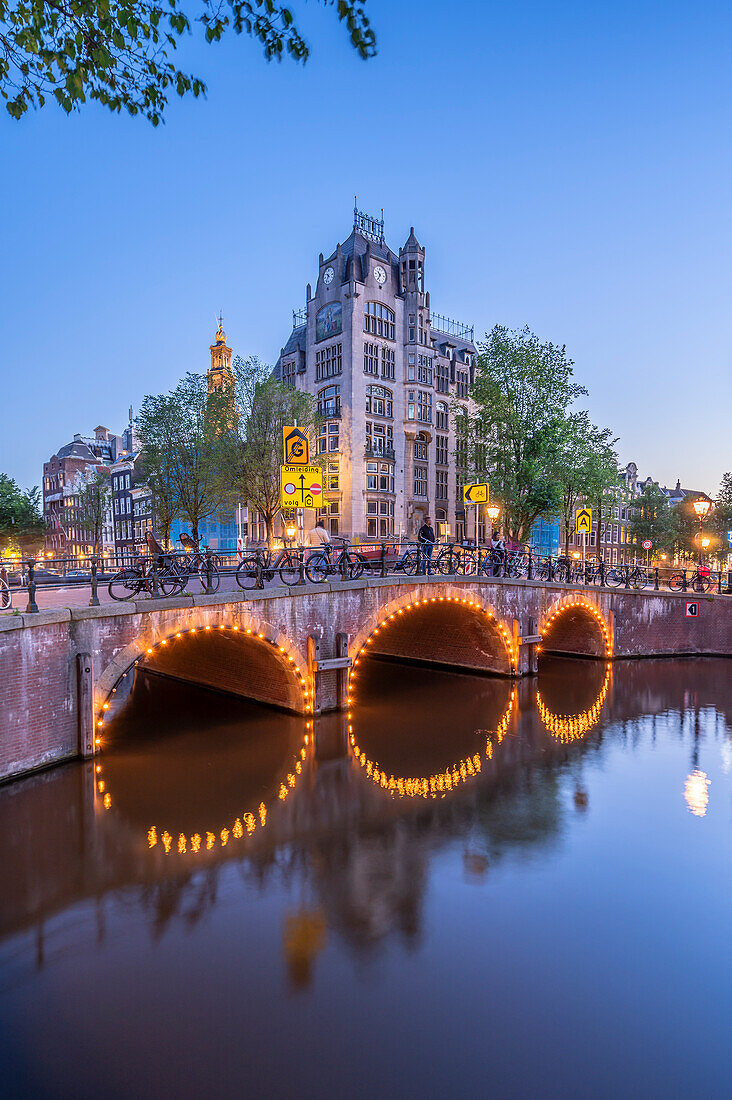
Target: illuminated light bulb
point(210, 841)
point(164, 641)
point(281, 649)
point(177, 635)
point(97, 741)
point(249, 630)
point(152, 837)
point(182, 844)
point(208, 628)
point(100, 723)
point(250, 823)
point(260, 635)
point(196, 842)
point(224, 837)
point(235, 628)
point(98, 768)
point(149, 651)
point(100, 786)
point(193, 630)
point(105, 706)
point(237, 830)
point(167, 840)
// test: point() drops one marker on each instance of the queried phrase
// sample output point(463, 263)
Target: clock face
point(328, 276)
point(380, 275)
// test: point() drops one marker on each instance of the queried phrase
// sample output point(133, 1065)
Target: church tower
point(219, 373)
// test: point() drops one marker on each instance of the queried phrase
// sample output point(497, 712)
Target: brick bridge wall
point(467, 623)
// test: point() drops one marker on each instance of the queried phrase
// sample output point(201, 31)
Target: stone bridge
point(296, 648)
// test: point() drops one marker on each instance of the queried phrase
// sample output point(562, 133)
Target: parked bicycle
point(146, 575)
point(631, 576)
point(260, 567)
point(197, 562)
point(323, 563)
point(701, 580)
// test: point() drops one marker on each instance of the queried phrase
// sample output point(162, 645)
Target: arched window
point(379, 320)
point(441, 418)
point(329, 402)
point(329, 409)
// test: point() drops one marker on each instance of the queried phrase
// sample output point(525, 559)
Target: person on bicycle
point(426, 541)
point(319, 536)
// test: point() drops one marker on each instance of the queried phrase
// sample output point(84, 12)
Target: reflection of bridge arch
point(572, 727)
point(451, 629)
point(241, 827)
point(253, 661)
point(576, 626)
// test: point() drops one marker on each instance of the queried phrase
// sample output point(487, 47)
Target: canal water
point(464, 888)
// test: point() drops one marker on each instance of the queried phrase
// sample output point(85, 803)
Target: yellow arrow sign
point(297, 447)
point(584, 521)
point(301, 486)
point(475, 494)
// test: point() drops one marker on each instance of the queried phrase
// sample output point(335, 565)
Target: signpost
point(297, 446)
point(692, 610)
point(584, 526)
point(476, 494)
point(301, 486)
point(647, 544)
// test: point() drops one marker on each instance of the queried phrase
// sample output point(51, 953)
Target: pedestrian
point(318, 536)
point(498, 554)
point(426, 543)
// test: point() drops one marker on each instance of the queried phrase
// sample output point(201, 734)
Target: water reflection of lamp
point(696, 792)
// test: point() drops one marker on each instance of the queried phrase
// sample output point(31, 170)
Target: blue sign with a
point(729, 537)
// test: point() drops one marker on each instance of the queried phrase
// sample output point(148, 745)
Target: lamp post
point(702, 507)
point(493, 512)
point(290, 531)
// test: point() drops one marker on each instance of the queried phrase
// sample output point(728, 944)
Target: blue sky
point(566, 166)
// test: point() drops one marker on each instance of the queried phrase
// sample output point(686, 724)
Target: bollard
point(301, 564)
point(31, 607)
point(627, 576)
point(729, 582)
point(587, 571)
point(155, 581)
point(683, 580)
point(383, 559)
point(530, 574)
point(343, 564)
point(602, 573)
point(656, 585)
point(94, 600)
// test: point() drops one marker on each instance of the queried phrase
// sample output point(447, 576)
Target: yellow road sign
point(297, 447)
point(475, 494)
point(301, 486)
point(584, 520)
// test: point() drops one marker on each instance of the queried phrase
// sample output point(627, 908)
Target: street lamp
point(701, 507)
point(493, 512)
point(290, 531)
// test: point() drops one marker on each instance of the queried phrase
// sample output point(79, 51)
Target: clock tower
point(219, 373)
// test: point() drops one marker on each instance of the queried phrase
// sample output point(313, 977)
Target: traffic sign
point(475, 494)
point(297, 447)
point(692, 610)
point(301, 486)
point(729, 537)
point(647, 544)
point(584, 520)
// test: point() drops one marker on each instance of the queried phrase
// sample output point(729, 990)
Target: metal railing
point(24, 581)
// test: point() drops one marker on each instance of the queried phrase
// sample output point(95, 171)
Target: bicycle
point(321, 564)
point(699, 581)
point(129, 582)
point(260, 567)
point(195, 563)
point(623, 574)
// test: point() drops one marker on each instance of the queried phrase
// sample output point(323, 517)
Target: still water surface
point(508, 891)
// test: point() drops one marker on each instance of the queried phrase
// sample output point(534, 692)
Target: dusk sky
point(566, 166)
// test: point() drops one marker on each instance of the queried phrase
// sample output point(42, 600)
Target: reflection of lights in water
point(242, 826)
point(696, 792)
point(571, 727)
point(304, 937)
point(433, 786)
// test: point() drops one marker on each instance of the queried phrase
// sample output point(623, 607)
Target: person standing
point(426, 544)
point(318, 536)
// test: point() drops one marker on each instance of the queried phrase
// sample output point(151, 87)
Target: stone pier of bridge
point(291, 647)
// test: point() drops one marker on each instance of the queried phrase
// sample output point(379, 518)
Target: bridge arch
point(252, 660)
point(576, 627)
point(453, 629)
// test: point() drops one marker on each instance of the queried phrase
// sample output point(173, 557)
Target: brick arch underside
point(231, 662)
point(574, 632)
point(447, 635)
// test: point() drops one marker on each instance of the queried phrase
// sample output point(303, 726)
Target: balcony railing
point(377, 451)
point(329, 410)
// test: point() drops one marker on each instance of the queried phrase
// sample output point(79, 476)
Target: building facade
point(385, 371)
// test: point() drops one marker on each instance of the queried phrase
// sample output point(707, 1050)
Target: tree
point(188, 434)
point(721, 518)
point(156, 423)
point(119, 53)
point(265, 407)
point(522, 392)
point(586, 466)
point(91, 505)
point(22, 526)
point(651, 517)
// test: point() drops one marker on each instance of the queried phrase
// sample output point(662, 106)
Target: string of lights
point(586, 606)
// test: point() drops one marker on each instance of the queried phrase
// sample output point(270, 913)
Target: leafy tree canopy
point(119, 51)
point(21, 517)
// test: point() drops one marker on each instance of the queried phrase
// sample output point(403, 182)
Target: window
point(379, 438)
point(380, 477)
point(333, 479)
point(411, 369)
point(328, 362)
point(442, 380)
point(371, 359)
point(410, 404)
point(461, 383)
point(329, 401)
point(424, 370)
point(420, 449)
point(388, 363)
point(440, 484)
point(329, 438)
point(372, 471)
point(411, 319)
point(424, 406)
point(441, 450)
point(379, 401)
point(420, 481)
point(370, 528)
point(441, 416)
point(288, 373)
point(371, 507)
point(379, 320)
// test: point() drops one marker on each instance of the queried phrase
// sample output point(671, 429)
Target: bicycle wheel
point(676, 582)
point(442, 563)
point(354, 566)
point(247, 572)
point(700, 584)
point(126, 584)
point(317, 567)
point(171, 579)
point(409, 563)
point(614, 578)
point(639, 579)
point(202, 575)
point(290, 568)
